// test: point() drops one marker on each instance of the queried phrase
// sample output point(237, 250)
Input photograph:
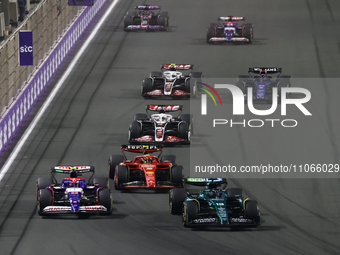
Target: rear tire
point(114, 160)
point(105, 199)
point(101, 181)
point(176, 199)
point(43, 182)
point(240, 85)
point(140, 116)
point(171, 158)
point(122, 176)
point(156, 74)
point(234, 193)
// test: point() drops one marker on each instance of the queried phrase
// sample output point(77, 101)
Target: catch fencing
point(21, 86)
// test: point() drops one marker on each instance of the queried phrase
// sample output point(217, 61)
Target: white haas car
point(172, 82)
point(161, 127)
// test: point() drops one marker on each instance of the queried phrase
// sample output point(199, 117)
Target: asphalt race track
point(89, 120)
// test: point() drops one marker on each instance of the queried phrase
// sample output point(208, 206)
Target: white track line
point(50, 98)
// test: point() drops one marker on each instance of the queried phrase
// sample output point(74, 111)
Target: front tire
point(211, 32)
point(135, 131)
point(189, 118)
point(146, 86)
point(105, 199)
point(128, 20)
point(44, 200)
point(177, 175)
point(248, 32)
point(164, 20)
point(184, 131)
point(122, 177)
point(190, 212)
point(251, 211)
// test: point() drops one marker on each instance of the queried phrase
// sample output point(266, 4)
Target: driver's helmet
point(211, 193)
point(80, 184)
point(229, 24)
point(67, 184)
point(263, 74)
point(141, 160)
point(164, 118)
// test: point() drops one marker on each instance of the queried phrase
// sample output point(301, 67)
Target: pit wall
point(46, 63)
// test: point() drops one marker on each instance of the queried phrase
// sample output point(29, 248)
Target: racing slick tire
point(176, 198)
point(43, 182)
point(44, 199)
point(146, 86)
point(164, 20)
point(190, 87)
point(198, 78)
point(251, 210)
point(135, 131)
point(114, 160)
point(189, 118)
point(128, 20)
point(102, 181)
point(211, 32)
point(156, 74)
point(190, 212)
point(171, 158)
point(248, 32)
point(241, 86)
point(234, 193)
point(285, 81)
point(140, 116)
point(184, 131)
point(177, 175)
point(105, 199)
point(243, 78)
point(122, 177)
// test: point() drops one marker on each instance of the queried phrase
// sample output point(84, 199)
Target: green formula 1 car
point(213, 206)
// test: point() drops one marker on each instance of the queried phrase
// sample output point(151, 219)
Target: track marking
point(55, 90)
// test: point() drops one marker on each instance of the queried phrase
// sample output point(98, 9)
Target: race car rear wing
point(144, 149)
point(165, 108)
point(231, 18)
point(269, 70)
point(148, 7)
point(141, 148)
point(69, 169)
point(205, 181)
point(177, 67)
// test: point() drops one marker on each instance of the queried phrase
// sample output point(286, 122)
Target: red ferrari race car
point(145, 171)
